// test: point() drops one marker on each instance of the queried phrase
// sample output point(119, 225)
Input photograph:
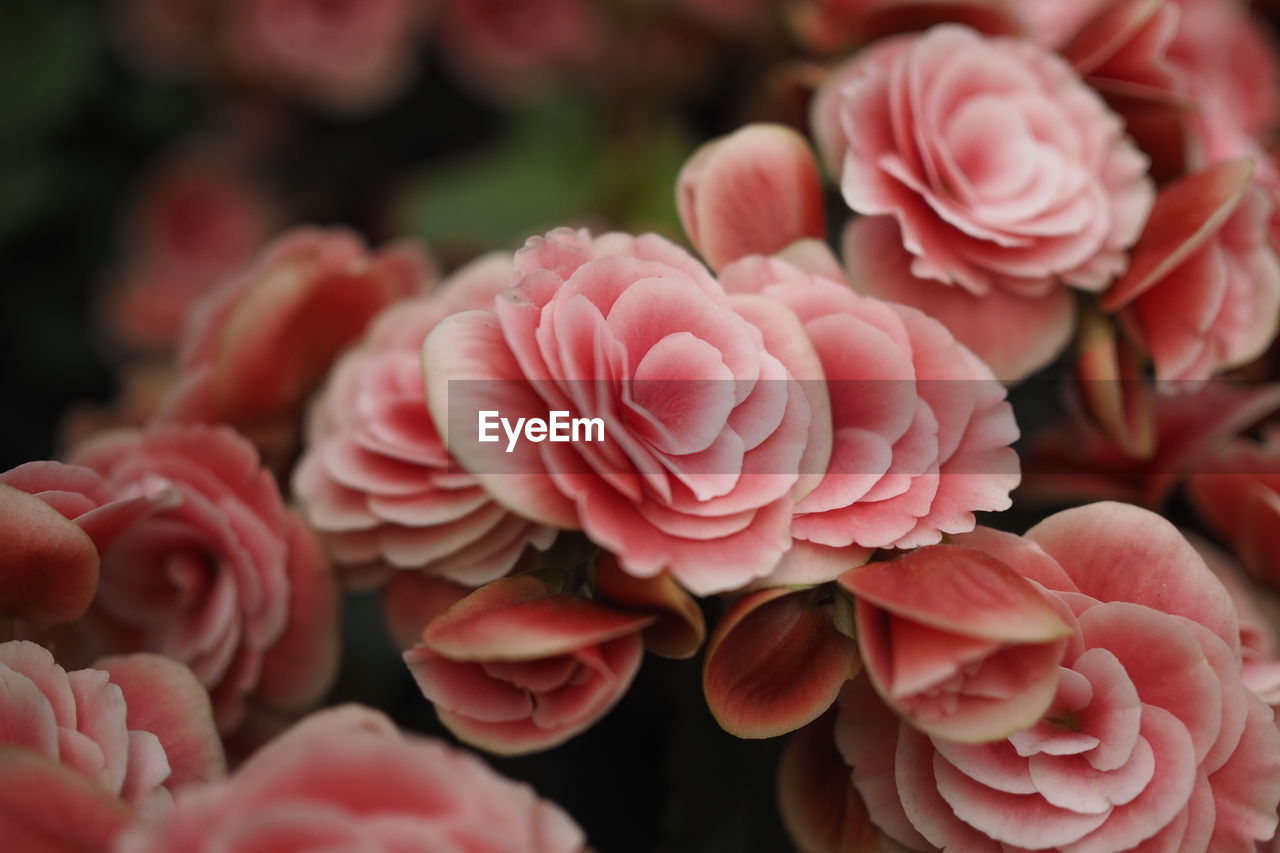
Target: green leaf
point(542, 173)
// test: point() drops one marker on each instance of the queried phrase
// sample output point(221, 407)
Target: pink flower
point(958, 643)
point(921, 428)
point(705, 430)
point(515, 667)
point(376, 479)
point(753, 192)
point(1005, 189)
point(513, 46)
point(140, 726)
point(1151, 740)
point(309, 294)
point(55, 520)
point(1202, 293)
point(226, 581)
point(347, 55)
point(197, 220)
point(346, 779)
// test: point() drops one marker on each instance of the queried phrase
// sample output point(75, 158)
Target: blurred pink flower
point(376, 480)
point(346, 55)
point(1005, 189)
point(1151, 741)
point(346, 779)
point(753, 192)
point(226, 580)
point(309, 294)
point(138, 725)
point(515, 667)
point(1202, 293)
point(516, 46)
point(197, 219)
point(705, 432)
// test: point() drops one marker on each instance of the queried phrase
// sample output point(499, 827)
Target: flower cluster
point(765, 429)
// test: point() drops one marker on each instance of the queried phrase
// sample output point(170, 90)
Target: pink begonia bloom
point(138, 725)
point(1151, 741)
point(197, 220)
point(1202, 293)
point(227, 580)
point(513, 47)
point(958, 643)
point(347, 779)
point(515, 667)
point(346, 55)
point(376, 480)
point(55, 521)
point(753, 192)
point(921, 427)
point(1005, 191)
point(706, 430)
point(309, 294)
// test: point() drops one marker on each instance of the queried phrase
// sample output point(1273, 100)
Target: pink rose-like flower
point(921, 427)
point(310, 293)
point(197, 220)
point(516, 668)
point(1006, 190)
point(55, 521)
point(706, 431)
point(376, 479)
point(348, 55)
point(753, 192)
point(226, 581)
point(1151, 741)
point(1202, 293)
point(347, 779)
point(140, 726)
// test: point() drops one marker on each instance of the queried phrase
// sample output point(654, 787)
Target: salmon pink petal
point(50, 565)
point(680, 629)
point(48, 808)
point(1014, 335)
point(753, 192)
point(775, 663)
point(517, 618)
point(469, 350)
point(961, 590)
point(1173, 578)
point(163, 698)
point(810, 770)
